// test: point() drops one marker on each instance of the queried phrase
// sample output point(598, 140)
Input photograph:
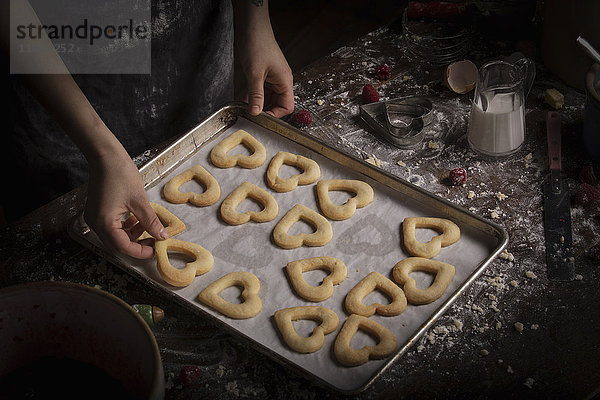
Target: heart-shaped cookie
point(337, 273)
point(363, 196)
point(239, 194)
point(449, 234)
point(310, 172)
point(443, 275)
point(350, 357)
point(251, 305)
point(208, 197)
point(374, 280)
point(203, 261)
point(220, 158)
point(320, 237)
point(172, 224)
point(328, 322)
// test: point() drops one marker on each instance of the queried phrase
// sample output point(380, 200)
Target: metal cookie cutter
point(425, 106)
point(399, 121)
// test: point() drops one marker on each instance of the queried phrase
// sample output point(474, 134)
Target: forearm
point(115, 185)
point(251, 19)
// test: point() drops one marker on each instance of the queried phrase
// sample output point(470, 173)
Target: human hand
point(115, 185)
point(269, 77)
point(115, 188)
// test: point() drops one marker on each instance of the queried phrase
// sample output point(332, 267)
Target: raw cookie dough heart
point(311, 172)
point(450, 233)
point(443, 275)
point(172, 224)
point(208, 197)
point(220, 158)
point(245, 190)
point(363, 196)
point(320, 237)
point(251, 305)
point(337, 273)
point(373, 281)
point(328, 322)
point(350, 357)
point(203, 261)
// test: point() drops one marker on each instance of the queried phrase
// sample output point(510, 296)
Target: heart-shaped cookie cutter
point(403, 119)
point(399, 121)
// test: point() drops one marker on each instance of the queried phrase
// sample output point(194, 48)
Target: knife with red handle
point(560, 262)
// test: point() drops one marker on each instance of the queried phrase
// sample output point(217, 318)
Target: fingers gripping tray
point(369, 241)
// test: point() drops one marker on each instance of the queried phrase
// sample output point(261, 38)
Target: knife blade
point(560, 263)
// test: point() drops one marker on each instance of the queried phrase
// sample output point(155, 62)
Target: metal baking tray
point(369, 241)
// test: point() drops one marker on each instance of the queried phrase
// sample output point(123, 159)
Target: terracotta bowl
point(67, 321)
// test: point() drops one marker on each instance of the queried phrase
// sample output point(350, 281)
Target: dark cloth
point(192, 76)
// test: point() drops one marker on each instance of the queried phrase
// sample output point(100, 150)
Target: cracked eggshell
point(461, 76)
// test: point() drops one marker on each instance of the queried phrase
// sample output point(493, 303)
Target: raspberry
point(369, 94)
point(595, 252)
point(190, 375)
point(587, 175)
point(302, 117)
point(458, 176)
point(383, 72)
point(586, 194)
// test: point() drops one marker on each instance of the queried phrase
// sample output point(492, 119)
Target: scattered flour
point(505, 255)
point(501, 196)
point(374, 161)
point(530, 275)
point(232, 387)
point(529, 382)
point(432, 144)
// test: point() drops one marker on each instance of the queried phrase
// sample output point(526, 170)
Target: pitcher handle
point(528, 66)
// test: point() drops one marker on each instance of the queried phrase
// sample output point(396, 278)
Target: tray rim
point(227, 115)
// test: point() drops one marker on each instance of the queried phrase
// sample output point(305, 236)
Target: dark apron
point(192, 76)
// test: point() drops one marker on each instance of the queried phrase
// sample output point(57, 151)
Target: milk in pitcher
point(500, 129)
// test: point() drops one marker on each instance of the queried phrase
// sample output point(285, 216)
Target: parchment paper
point(369, 241)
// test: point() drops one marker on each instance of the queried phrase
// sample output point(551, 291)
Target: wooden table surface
point(474, 350)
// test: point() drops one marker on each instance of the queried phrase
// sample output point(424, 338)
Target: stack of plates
point(438, 43)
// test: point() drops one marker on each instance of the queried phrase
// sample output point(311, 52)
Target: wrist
point(103, 148)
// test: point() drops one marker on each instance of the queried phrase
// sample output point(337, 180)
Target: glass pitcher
point(497, 121)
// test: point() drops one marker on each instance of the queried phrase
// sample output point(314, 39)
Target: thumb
point(148, 219)
point(256, 93)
